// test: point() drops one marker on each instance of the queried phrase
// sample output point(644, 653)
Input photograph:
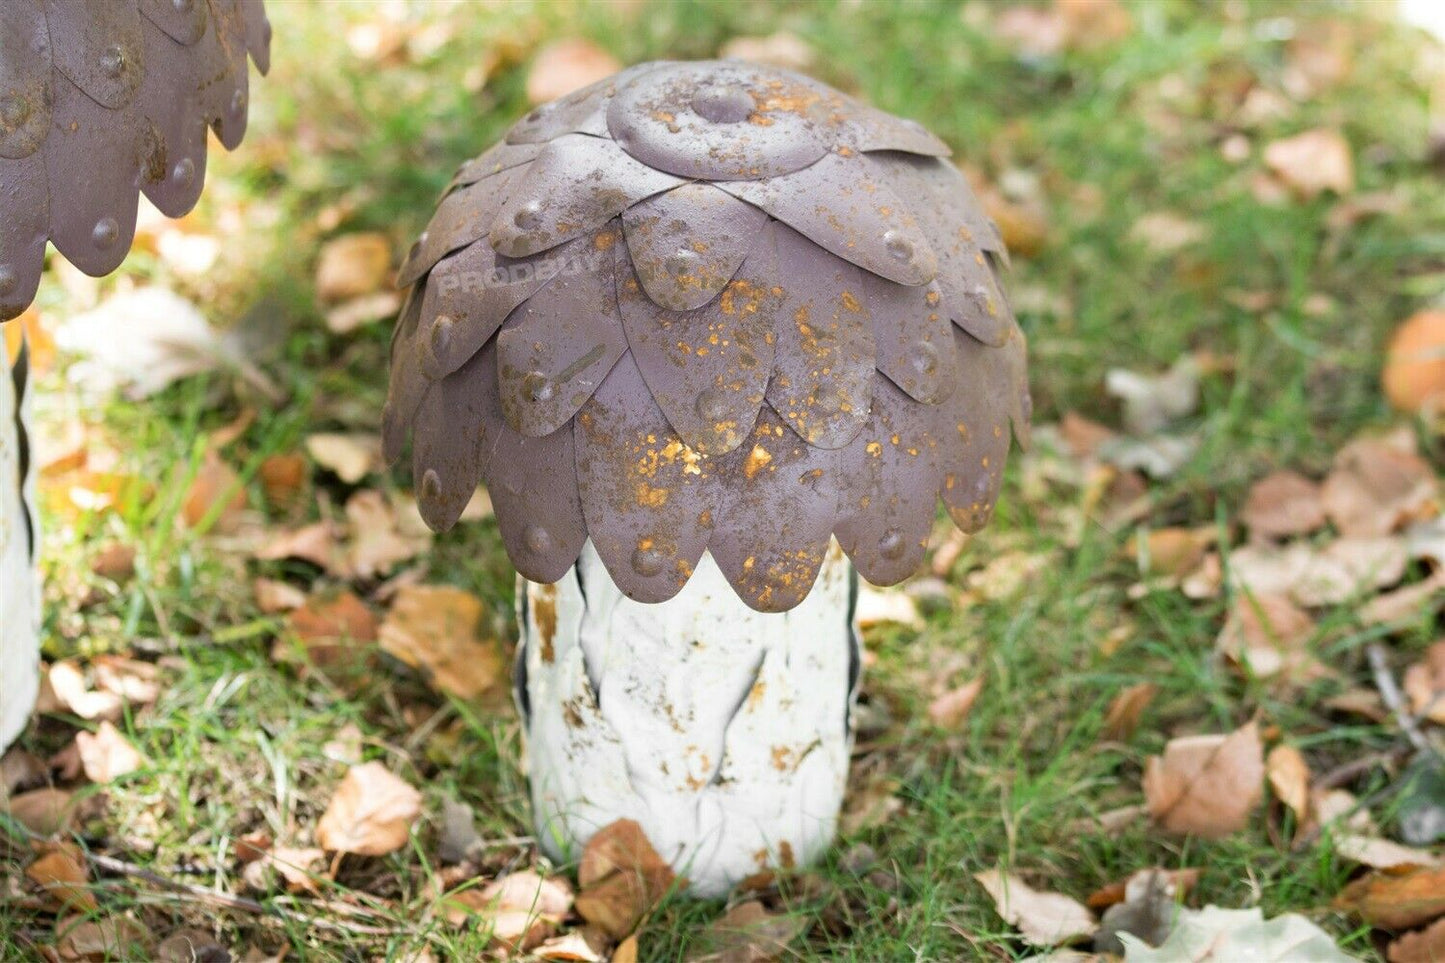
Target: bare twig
point(1394, 698)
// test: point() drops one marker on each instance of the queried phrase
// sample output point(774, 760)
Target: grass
point(339, 144)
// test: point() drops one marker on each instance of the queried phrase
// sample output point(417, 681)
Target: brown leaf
point(748, 933)
point(1283, 504)
point(114, 561)
point(1405, 605)
point(298, 867)
point(626, 951)
point(312, 543)
point(358, 312)
point(1375, 487)
point(215, 494)
point(1396, 900)
point(106, 938)
point(572, 947)
point(273, 596)
point(1174, 551)
point(1422, 946)
point(1289, 776)
point(331, 628)
point(567, 65)
point(370, 814)
point(622, 878)
point(1268, 634)
point(1206, 785)
point(950, 709)
point(1180, 881)
point(1380, 853)
point(137, 683)
point(1315, 161)
point(781, 49)
point(62, 873)
point(1043, 919)
point(68, 683)
point(282, 478)
point(1127, 708)
point(1414, 375)
point(107, 755)
point(1083, 436)
point(381, 538)
point(353, 265)
point(439, 630)
point(1315, 576)
point(520, 909)
point(1424, 683)
point(350, 457)
point(45, 812)
point(1165, 232)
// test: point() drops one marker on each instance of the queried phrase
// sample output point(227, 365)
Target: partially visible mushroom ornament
point(100, 101)
point(712, 334)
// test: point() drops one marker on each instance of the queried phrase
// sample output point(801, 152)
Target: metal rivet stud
point(184, 173)
point(112, 62)
point(538, 539)
point(647, 562)
point(105, 233)
point(528, 216)
point(892, 545)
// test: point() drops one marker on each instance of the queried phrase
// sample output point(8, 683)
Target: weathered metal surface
point(822, 381)
point(800, 333)
point(100, 99)
point(731, 753)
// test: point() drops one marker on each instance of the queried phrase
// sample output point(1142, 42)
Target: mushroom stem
point(723, 731)
point(19, 582)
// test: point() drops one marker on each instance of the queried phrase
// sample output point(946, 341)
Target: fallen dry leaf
point(298, 867)
point(370, 814)
point(1424, 683)
point(749, 933)
point(567, 65)
point(273, 596)
point(1153, 401)
point(382, 537)
point(350, 457)
point(439, 630)
point(878, 606)
point(622, 878)
point(781, 49)
point(62, 873)
point(331, 628)
point(1214, 935)
point(68, 683)
point(1398, 899)
point(114, 561)
point(1312, 162)
point(1043, 919)
point(1375, 488)
point(1289, 777)
point(1414, 374)
point(215, 495)
point(1405, 605)
point(282, 478)
point(1165, 232)
point(1179, 881)
point(1283, 504)
point(1268, 635)
point(1423, 946)
point(1380, 853)
point(950, 709)
point(353, 265)
point(1174, 551)
point(357, 312)
point(107, 755)
point(572, 947)
point(1206, 785)
point(99, 939)
point(45, 812)
point(1315, 576)
point(1083, 436)
point(315, 543)
point(1126, 709)
point(520, 909)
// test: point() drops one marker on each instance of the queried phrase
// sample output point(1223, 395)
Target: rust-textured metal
point(710, 307)
point(103, 99)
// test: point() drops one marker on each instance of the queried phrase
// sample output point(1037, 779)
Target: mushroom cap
point(103, 99)
point(709, 307)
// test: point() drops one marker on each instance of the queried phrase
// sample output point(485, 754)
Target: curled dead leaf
point(1313, 162)
point(1042, 918)
point(440, 631)
point(622, 878)
point(1206, 785)
point(1396, 899)
point(370, 814)
point(1283, 504)
point(353, 265)
point(949, 710)
point(1289, 777)
point(107, 755)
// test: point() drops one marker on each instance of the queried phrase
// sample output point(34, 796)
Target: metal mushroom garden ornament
point(712, 334)
point(100, 101)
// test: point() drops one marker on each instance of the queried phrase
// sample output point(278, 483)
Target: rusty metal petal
point(97, 44)
point(915, 341)
point(777, 501)
point(258, 33)
point(499, 157)
point(583, 111)
point(645, 495)
point(227, 96)
point(823, 365)
point(24, 218)
point(25, 85)
point(556, 348)
point(470, 294)
point(183, 22)
point(464, 216)
point(723, 120)
point(707, 369)
point(886, 532)
point(870, 129)
point(840, 205)
point(687, 243)
point(975, 423)
point(173, 141)
point(90, 161)
point(575, 185)
point(962, 237)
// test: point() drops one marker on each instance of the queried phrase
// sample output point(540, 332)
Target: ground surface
point(1130, 167)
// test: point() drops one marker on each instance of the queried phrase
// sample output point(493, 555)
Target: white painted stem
point(723, 731)
point(19, 583)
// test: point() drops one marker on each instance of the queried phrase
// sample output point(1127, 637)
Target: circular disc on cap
point(722, 121)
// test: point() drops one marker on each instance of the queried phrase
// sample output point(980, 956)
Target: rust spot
point(756, 693)
point(780, 758)
point(758, 459)
point(544, 610)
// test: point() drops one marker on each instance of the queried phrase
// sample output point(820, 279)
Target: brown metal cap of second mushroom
point(709, 307)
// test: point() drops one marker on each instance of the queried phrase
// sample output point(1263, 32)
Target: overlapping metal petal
point(103, 99)
point(709, 307)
